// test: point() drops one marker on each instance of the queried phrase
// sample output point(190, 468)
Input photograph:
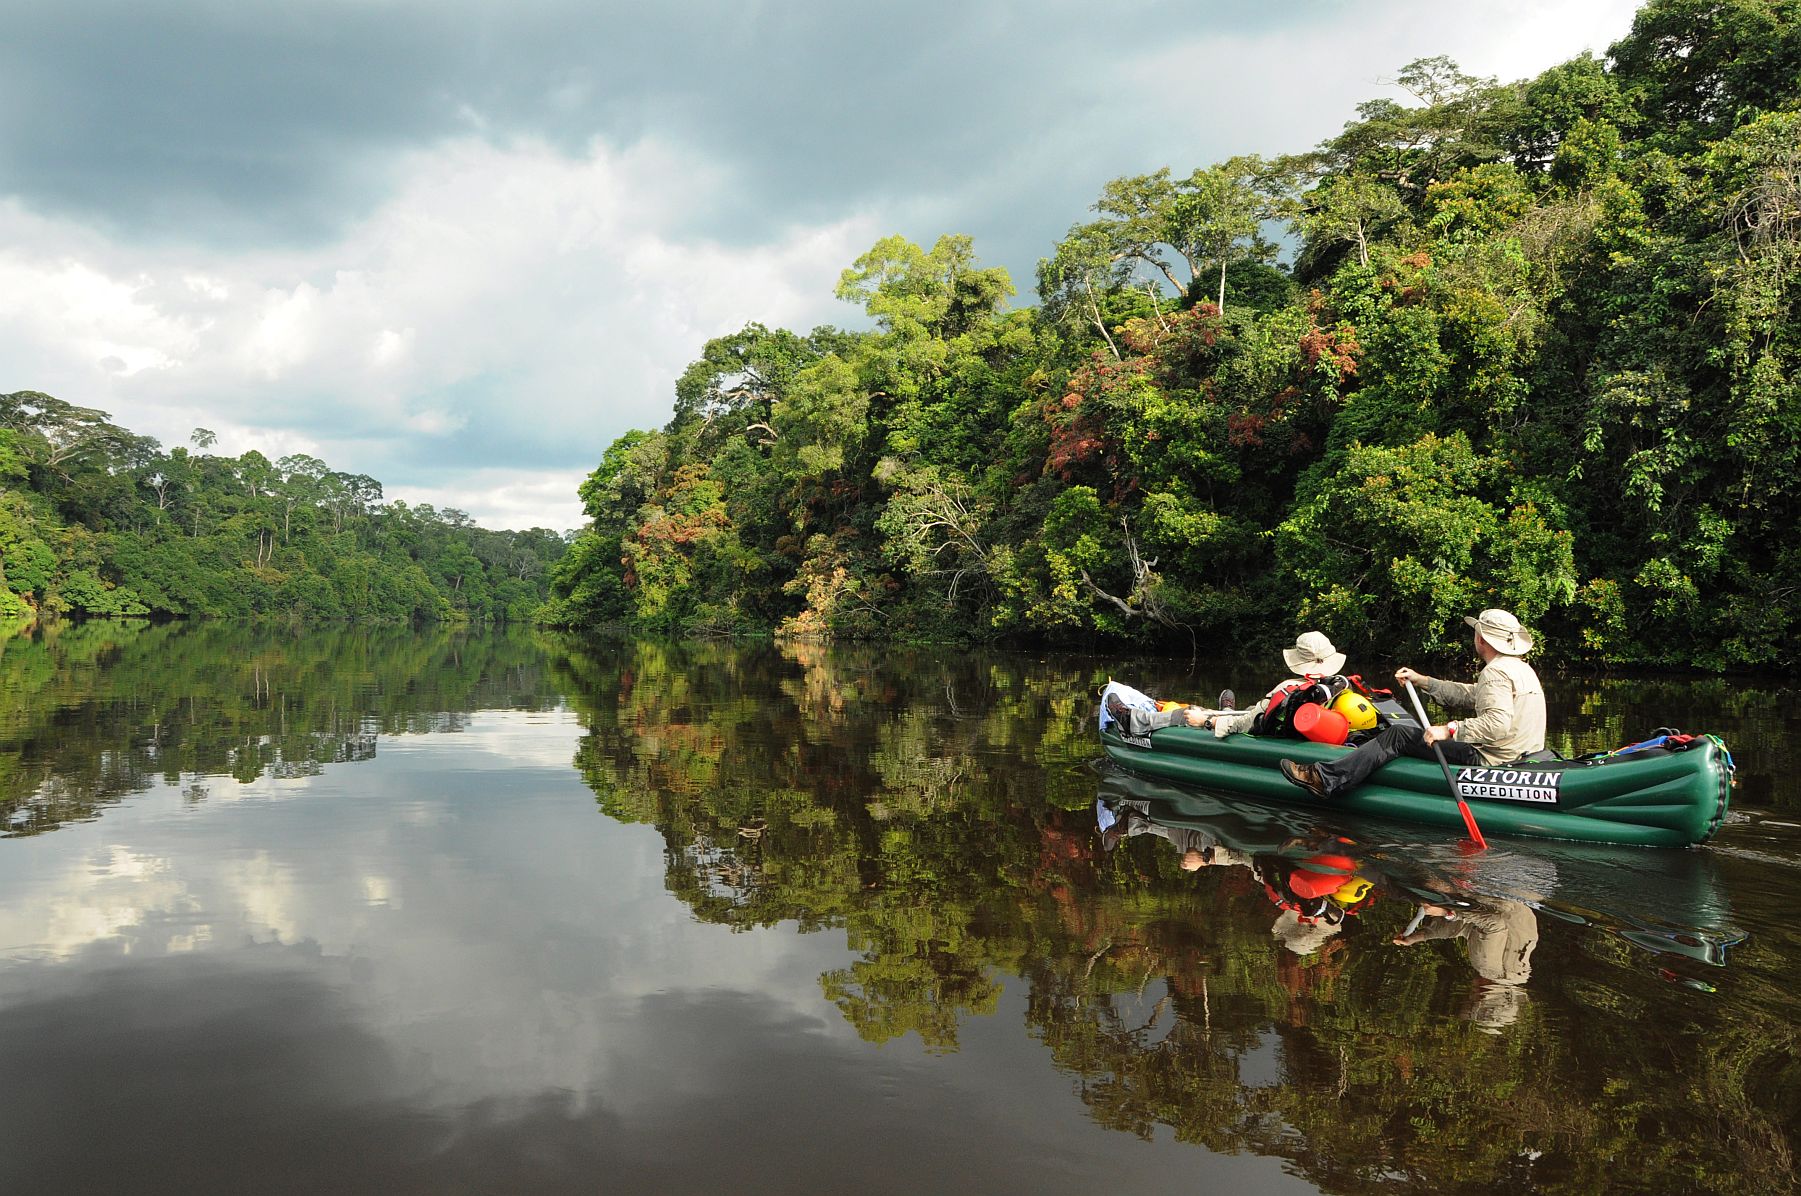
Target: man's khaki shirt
point(1510, 709)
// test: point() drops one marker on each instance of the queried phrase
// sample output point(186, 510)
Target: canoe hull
point(1650, 799)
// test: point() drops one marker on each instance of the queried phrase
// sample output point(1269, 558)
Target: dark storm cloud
point(212, 122)
point(227, 123)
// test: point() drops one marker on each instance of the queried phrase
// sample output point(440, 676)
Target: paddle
point(1463, 807)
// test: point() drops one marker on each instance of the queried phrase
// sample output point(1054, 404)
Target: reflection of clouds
point(95, 896)
point(378, 890)
point(533, 931)
point(533, 738)
point(268, 1076)
point(260, 892)
point(541, 739)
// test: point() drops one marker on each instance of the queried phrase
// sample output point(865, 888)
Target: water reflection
point(1667, 901)
point(1317, 880)
point(806, 919)
point(93, 712)
point(927, 805)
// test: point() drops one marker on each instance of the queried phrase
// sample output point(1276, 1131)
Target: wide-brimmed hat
point(1502, 631)
point(1313, 656)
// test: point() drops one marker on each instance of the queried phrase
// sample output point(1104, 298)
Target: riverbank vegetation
point(95, 520)
point(1527, 344)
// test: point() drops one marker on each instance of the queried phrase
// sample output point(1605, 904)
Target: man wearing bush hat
point(1509, 723)
point(1310, 656)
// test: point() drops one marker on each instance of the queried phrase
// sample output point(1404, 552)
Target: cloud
point(509, 497)
point(229, 123)
point(215, 123)
point(461, 248)
point(496, 322)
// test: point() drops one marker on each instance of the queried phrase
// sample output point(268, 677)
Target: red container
point(1321, 724)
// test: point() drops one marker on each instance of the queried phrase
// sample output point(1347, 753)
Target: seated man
point(1309, 658)
point(1509, 722)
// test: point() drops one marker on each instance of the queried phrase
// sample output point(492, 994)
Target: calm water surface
point(382, 911)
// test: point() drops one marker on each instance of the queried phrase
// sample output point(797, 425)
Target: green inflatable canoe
point(1653, 798)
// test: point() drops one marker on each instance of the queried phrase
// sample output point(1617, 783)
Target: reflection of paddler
point(1499, 937)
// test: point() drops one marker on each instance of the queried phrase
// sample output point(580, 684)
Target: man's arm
point(1445, 693)
point(1461, 694)
point(1494, 709)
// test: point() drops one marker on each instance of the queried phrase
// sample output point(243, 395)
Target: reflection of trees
point(835, 788)
point(1386, 1082)
point(934, 808)
point(1598, 714)
point(95, 711)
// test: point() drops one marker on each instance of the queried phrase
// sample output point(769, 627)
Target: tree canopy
point(95, 520)
point(1528, 344)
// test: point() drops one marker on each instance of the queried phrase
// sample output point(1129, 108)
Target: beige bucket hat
point(1313, 656)
point(1502, 631)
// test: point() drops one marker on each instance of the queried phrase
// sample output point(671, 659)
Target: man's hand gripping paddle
point(1463, 807)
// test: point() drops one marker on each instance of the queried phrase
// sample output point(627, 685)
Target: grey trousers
point(1143, 722)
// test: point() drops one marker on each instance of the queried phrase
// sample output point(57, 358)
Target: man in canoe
point(1310, 658)
point(1509, 723)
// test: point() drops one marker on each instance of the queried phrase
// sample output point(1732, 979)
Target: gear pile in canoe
point(1671, 794)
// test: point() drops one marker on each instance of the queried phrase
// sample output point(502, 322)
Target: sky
point(462, 246)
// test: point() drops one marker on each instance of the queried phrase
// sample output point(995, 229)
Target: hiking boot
point(1227, 700)
point(1116, 710)
point(1307, 777)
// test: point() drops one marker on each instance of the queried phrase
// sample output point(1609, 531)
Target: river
point(380, 910)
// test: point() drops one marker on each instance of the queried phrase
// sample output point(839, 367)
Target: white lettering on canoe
point(1510, 784)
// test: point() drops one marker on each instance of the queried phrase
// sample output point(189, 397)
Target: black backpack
point(1277, 719)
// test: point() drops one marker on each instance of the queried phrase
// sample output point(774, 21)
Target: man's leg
point(1142, 722)
point(1352, 769)
point(1458, 755)
point(1355, 766)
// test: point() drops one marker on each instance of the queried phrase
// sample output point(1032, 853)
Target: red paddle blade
point(1469, 824)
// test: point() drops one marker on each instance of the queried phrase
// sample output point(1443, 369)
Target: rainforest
point(98, 521)
point(1529, 344)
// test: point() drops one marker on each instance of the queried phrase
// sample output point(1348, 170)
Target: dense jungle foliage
point(97, 521)
point(1534, 345)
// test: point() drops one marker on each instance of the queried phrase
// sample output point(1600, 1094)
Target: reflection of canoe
point(1669, 901)
point(1648, 799)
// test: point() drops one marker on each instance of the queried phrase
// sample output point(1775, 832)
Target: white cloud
point(508, 306)
point(104, 320)
point(506, 497)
